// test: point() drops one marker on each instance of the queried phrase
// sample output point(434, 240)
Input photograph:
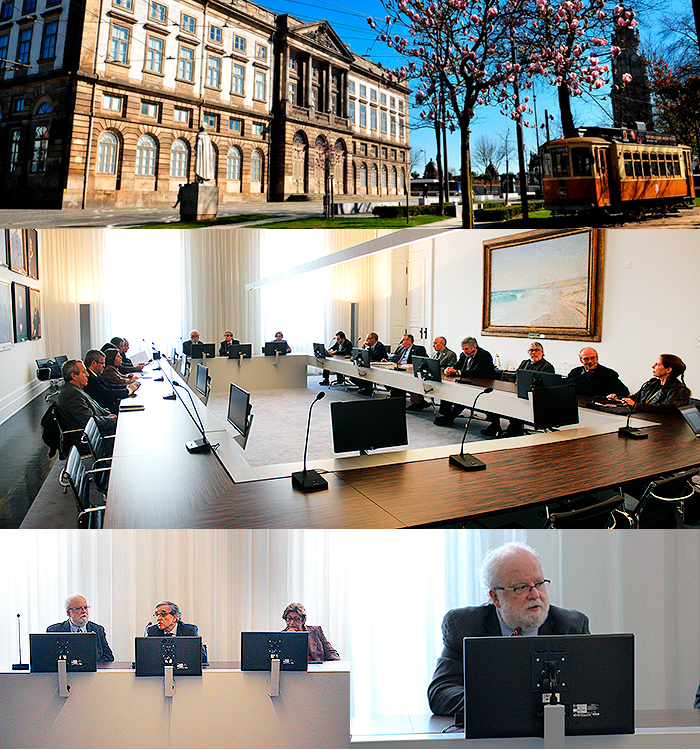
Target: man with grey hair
point(187, 345)
point(447, 358)
point(519, 605)
point(169, 623)
point(79, 622)
point(107, 395)
point(74, 406)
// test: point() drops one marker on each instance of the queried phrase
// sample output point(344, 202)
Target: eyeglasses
point(518, 590)
point(161, 614)
point(588, 359)
point(293, 618)
point(79, 609)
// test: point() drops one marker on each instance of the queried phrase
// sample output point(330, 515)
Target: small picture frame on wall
point(4, 248)
point(18, 257)
point(6, 332)
point(19, 311)
point(32, 246)
point(34, 312)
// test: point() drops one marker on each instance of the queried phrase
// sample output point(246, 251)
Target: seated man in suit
point(187, 345)
point(475, 362)
point(78, 622)
point(404, 356)
point(447, 358)
point(106, 394)
point(519, 606)
point(377, 353)
point(169, 623)
point(226, 344)
point(592, 379)
point(127, 366)
point(341, 348)
point(320, 648)
point(75, 407)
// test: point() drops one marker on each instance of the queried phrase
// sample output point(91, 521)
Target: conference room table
point(156, 483)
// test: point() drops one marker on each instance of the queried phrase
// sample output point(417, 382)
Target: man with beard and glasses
point(519, 605)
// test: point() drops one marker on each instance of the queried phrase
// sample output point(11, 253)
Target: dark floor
point(24, 462)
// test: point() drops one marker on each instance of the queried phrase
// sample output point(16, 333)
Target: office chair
point(662, 504)
point(77, 478)
point(66, 438)
point(100, 447)
point(607, 514)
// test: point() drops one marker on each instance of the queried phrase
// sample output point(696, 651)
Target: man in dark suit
point(592, 379)
point(169, 623)
point(127, 366)
point(227, 343)
point(377, 353)
point(404, 356)
point(75, 407)
point(342, 347)
point(519, 602)
point(106, 394)
point(475, 362)
point(187, 345)
point(78, 622)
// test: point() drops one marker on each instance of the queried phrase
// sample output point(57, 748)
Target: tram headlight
point(562, 192)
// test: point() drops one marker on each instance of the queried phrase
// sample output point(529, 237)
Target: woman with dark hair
point(111, 372)
point(319, 647)
point(666, 391)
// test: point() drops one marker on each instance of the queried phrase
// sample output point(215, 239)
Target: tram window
point(627, 157)
point(560, 164)
point(637, 164)
point(654, 164)
point(676, 166)
point(601, 162)
point(547, 165)
point(662, 165)
point(581, 158)
point(645, 164)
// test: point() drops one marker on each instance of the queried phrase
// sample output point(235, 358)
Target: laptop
point(692, 417)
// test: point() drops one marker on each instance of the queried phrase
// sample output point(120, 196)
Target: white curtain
point(379, 595)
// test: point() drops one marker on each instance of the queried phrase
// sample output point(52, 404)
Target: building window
point(260, 85)
point(393, 125)
point(293, 62)
point(29, 6)
point(383, 122)
point(6, 10)
point(188, 24)
point(374, 150)
point(392, 184)
point(373, 118)
point(351, 112)
point(107, 153)
point(158, 12)
point(351, 87)
point(41, 147)
point(384, 152)
point(238, 79)
point(233, 164)
point(44, 109)
point(363, 175)
point(154, 54)
point(48, 40)
point(402, 129)
point(119, 44)
point(293, 92)
point(125, 4)
point(401, 105)
point(183, 115)
point(363, 91)
point(150, 109)
point(363, 149)
point(24, 44)
point(363, 116)
point(393, 154)
point(260, 51)
point(179, 159)
point(215, 34)
point(314, 98)
point(385, 178)
point(18, 104)
point(4, 47)
point(256, 167)
point(383, 99)
point(210, 120)
point(374, 176)
point(112, 103)
point(213, 72)
point(185, 66)
point(15, 140)
point(239, 43)
point(235, 126)
point(373, 94)
point(146, 152)
point(258, 129)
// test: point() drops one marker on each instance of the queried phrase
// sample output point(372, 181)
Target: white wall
point(651, 303)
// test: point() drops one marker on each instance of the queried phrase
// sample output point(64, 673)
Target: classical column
point(345, 94)
point(308, 81)
point(329, 87)
point(284, 94)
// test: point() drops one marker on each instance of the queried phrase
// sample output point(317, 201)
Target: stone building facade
point(101, 100)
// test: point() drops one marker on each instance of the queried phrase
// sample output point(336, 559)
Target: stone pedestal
point(200, 201)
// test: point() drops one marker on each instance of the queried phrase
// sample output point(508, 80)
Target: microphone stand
point(309, 481)
point(195, 446)
point(635, 433)
point(20, 665)
point(467, 461)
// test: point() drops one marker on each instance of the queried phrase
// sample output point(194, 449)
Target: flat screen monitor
point(240, 351)
point(200, 350)
point(505, 678)
point(692, 417)
point(427, 368)
point(320, 351)
point(526, 380)
point(175, 355)
point(554, 407)
point(360, 357)
point(182, 653)
point(292, 649)
point(238, 408)
point(183, 365)
point(79, 650)
point(274, 347)
point(202, 377)
point(368, 425)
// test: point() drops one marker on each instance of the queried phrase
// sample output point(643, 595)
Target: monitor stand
point(274, 689)
point(63, 686)
point(554, 725)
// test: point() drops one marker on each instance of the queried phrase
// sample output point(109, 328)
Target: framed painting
point(4, 248)
point(34, 313)
point(6, 333)
point(544, 284)
point(18, 258)
point(32, 243)
point(19, 311)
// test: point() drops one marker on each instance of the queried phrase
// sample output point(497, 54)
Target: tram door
point(689, 174)
point(603, 181)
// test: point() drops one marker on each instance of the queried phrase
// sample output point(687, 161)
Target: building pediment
point(321, 35)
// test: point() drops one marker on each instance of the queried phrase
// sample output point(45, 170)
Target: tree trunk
point(438, 159)
point(466, 170)
point(567, 119)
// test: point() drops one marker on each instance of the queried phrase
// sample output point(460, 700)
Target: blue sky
point(349, 22)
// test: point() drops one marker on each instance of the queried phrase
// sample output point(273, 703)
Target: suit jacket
point(446, 691)
point(187, 347)
point(481, 365)
point(106, 395)
point(446, 357)
point(104, 652)
point(127, 366)
point(416, 349)
point(75, 408)
point(183, 628)
point(342, 350)
point(601, 381)
point(377, 352)
point(541, 366)
point(319, 647)
point(224, 346)
point(112, 376)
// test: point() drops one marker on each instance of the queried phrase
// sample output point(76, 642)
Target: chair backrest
point(92, 437)
point(67, 438)
point(604, 515)
point(78, 480)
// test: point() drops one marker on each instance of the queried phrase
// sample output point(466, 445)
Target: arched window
point(392, 184)
point(233, 164)
point(107, 151)
point(385, 178)
point(44, 109)
point(41, 148)
point(146, 152)
point(179, 159)
point(256, 167)
point(375, 176)
point(363, 175)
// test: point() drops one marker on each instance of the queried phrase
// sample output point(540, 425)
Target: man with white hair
point(79, 622)
point(519, 605)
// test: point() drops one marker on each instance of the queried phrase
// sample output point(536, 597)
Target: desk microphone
point(632, 432)
point(517, 631)
point(145, 630)
point(469, 462)
point(195, 446)
point(309, 481)
point(20, 665)
point(156, 355)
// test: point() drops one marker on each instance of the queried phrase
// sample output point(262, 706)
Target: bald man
point(79, 622)
point(512, 574)
point(593, 379)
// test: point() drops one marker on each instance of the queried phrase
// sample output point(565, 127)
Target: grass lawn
point(349, 222)
point(201, 224)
